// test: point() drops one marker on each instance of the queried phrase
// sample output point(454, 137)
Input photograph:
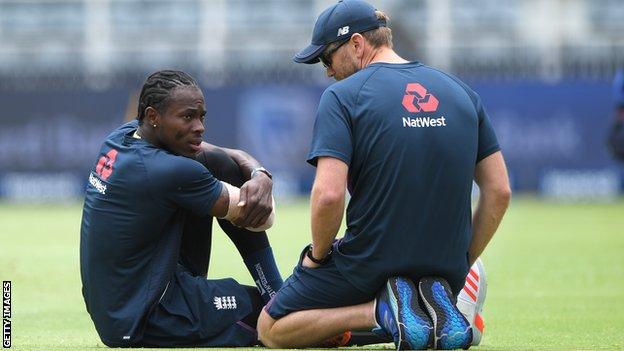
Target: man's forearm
point(245, 161)
point(255, 199)
point(326, 216)
point(486, 218)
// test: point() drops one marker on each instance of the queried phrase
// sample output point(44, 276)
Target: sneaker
point(450, 327)
point(471, 299)
point(399, 315)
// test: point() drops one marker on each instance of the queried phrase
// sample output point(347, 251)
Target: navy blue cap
point(337, 23)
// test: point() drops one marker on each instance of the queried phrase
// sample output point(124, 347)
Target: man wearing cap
point(407, 141)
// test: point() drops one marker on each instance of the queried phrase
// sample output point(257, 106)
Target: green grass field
point(555, 272)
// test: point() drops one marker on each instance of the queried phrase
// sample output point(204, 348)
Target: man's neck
point(386, 55)
point(146, 134)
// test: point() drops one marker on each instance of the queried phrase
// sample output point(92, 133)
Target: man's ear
point(359, 44)
point(152, 117)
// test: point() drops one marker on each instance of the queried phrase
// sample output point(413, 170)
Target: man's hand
point(256, 201)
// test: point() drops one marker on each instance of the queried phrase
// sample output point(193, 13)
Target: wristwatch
point(261, 169)
point(316, 260)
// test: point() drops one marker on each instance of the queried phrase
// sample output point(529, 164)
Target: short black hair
point(157, 88)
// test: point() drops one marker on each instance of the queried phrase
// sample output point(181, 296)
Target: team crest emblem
point(225, 302)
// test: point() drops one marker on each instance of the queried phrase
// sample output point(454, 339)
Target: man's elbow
point(331, 199)
point(328, 198)
point(500, 195)
point(503, 195)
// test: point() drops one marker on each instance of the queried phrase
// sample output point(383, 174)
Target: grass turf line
point(555, 274)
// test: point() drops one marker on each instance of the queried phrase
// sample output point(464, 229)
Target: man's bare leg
point(311, 327)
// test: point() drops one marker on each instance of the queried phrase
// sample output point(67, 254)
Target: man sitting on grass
point(147, 222)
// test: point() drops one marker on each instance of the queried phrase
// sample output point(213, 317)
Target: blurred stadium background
point(70, 71)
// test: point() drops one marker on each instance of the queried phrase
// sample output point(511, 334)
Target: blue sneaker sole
point(451, 329)
point(415, 329)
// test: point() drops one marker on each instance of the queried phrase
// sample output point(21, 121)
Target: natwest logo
point(104, 167)
point(418, 99)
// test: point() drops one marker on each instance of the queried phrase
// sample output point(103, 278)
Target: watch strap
point(316, 260)
point(261, 169)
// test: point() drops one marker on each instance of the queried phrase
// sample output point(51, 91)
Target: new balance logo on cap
point(339, 21)
point(225, 302)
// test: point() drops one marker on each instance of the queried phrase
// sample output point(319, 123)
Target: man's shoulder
point(167, 169)
point(452, 78)
point(164, 162)
point(351, 85)
point(123, 129)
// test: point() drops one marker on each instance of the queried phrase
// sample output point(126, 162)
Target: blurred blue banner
point(545, 130)
point(544, 127)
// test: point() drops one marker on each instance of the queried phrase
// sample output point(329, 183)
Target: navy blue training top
point(411, 136)
point(134, 211)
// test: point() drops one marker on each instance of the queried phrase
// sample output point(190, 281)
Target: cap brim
point(310, 54)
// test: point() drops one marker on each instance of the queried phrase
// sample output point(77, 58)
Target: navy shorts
point(195, 311)
point(314, 288)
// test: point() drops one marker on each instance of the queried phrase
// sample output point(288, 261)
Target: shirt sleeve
point(192, 187)
point(488, 143)
point(332, 130)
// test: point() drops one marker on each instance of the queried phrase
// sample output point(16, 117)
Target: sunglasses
point(327, 54)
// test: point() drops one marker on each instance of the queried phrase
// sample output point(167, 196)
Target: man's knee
point(265, 324)
point(221, 166)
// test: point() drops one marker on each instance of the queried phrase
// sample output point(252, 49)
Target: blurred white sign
point(599, 184)
point(40, 187)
